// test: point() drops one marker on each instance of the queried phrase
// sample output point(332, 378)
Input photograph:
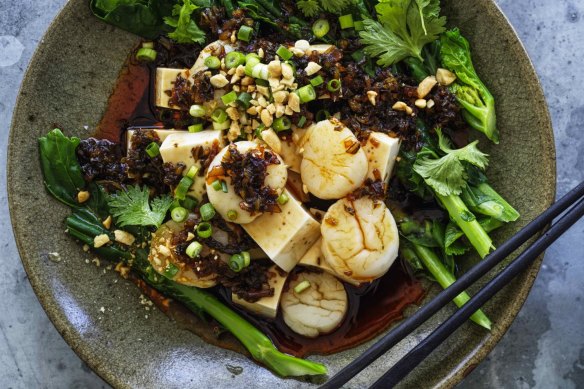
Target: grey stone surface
point(544, 347)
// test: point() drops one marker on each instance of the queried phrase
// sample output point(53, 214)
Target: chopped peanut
point(421, 103)
point(266, 118)
point(82, 196)
point(269, 136)
point(124, 237)
point(426, 86)
point(219, 81)
point(445, 77)
point(371, 95)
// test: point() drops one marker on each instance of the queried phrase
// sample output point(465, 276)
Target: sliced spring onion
point(194, 249)
point(260, 70)
point(346, 21)
point(204, 230)
point(320, 28)
point(323, 114)
point(234, 59)
point(183, 187)
point(282, 124)
point(359, 25)
point(224, 187)
point(283, 199)
point(284, 53)
point(316, 81)
point(252, 57)
point(153, 150)
point(301, 121)
point(229, 98)
point(216, 185)
point(246, 258)
point(244, 33)
point(212, 62)
point(197, 127)
point(179, 214)
point(221, 126)
point(306, 93)
point(258, 131)
point(301, 287)
point(190, 203)
point(232, 214)
point(219, 115)
point(244, 99)
point(170, 271)
point(207, 211)
point(236, 262)
point(192, 172)
point(148, 45)
point(333, 85)
point(146, 55)
point(197, 111)
point(175, 203)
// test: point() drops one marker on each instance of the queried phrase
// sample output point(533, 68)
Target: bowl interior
point(67, 85)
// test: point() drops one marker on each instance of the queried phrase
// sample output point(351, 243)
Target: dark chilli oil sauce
point(372, 308)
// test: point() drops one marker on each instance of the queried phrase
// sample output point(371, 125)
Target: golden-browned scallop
point(359, 238)
point(333, 163)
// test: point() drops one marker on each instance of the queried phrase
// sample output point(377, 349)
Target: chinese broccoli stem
point(445, 279)
point(467, 222)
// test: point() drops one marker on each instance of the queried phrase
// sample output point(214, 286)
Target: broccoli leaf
point(471, 93)
point(132, 207)
point(447, 175)
point(186, 30)
point(61, 170)
point(402, 30)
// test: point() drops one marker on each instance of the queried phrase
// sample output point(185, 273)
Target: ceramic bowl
point(67, 84)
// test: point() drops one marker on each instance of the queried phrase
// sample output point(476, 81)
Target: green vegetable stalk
point(62, 175)
point(467, 222)
point(432, 262)
point(418, 246)
point(471, 93)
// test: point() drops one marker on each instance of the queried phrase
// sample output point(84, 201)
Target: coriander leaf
point(471, 93)
point(447, 175)
point(402, 30)
point(61, 170)
point(334, 6)
point(132, 207)
point(186, 30)
point(381, 42)
point(310, 8)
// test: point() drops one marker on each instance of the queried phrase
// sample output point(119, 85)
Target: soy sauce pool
point(371, 308)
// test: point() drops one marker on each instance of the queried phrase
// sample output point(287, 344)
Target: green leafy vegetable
point(402, 29)
point(310, 8)
point(141, 17)
point(62, 173)
point(133, 207)
point(471, 93)
point(447, 175)
point(186, 30)
point(334, 6)
point(421, 245)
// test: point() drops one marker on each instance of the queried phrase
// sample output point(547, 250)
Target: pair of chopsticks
point(572, 205)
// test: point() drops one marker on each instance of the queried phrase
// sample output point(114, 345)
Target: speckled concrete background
point(544, 347)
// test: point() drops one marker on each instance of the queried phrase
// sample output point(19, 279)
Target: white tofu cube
point(286, 236)
point(381, 151)
point(266, 306)
point(290, 156)
point(165, 79)
point(178, 147)
point(162, 134)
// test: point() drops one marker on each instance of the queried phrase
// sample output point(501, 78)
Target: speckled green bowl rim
point(455, 375)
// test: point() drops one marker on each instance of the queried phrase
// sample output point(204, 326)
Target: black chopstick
point(425, 347)
point(407, 326)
